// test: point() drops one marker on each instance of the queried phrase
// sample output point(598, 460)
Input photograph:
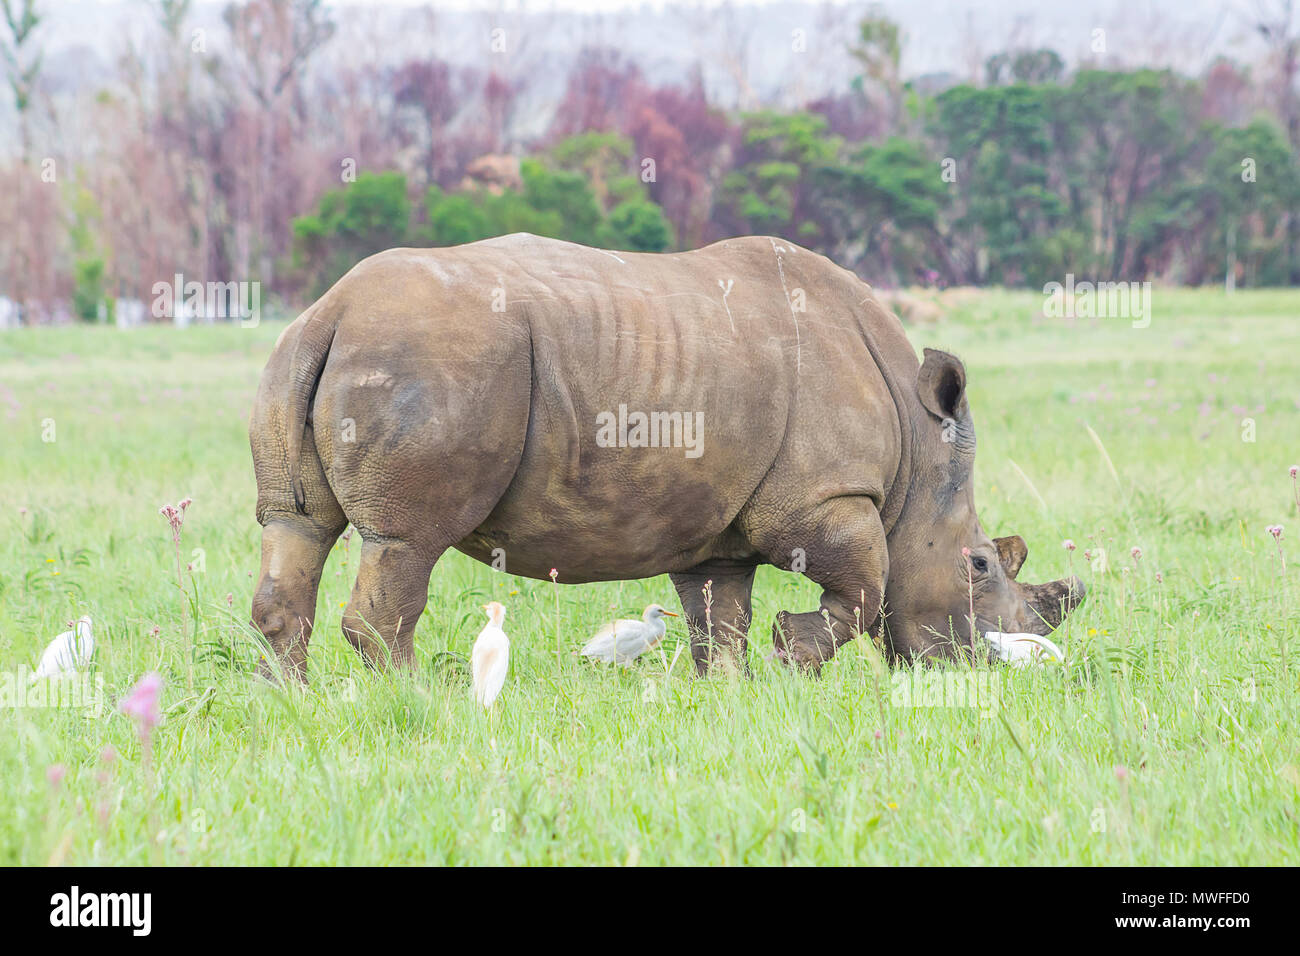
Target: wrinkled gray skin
point(404, 402)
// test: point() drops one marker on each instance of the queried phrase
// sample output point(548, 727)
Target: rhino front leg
point(840, 545)
point(715, 597)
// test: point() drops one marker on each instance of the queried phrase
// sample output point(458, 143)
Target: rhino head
point(932, 584)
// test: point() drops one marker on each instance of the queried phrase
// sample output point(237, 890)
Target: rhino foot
point(806, 641)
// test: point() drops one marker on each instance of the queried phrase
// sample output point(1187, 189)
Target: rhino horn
point(1052, 601)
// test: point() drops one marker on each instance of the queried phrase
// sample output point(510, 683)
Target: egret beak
point(670, 613)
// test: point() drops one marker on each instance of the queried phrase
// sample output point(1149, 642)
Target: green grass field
point(1168, 737)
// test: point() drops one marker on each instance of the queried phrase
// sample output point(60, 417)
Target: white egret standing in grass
point(67, 653)
point(491, 657)
point(624, 640)
point(1021, 650)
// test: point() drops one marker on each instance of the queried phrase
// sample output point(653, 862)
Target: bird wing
point(632, 645)
point(490, 640)
point(604, 642)
point(496, 676)
point(66, 653)
point(48, 665)
point(85, 641)
point(487, 673)
point(489, 663)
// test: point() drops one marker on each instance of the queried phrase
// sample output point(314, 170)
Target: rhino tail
point(309, 355)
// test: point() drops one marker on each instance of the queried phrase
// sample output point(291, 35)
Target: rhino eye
point(979, 564)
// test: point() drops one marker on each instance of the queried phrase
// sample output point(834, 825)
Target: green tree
point(638, 225)
point(1233, 213)
point(21, 57)
point(575, 213)
point(881, 210)
point(89, 268)
point(1024, 66)
point(769, 190)
point(603, 159)
point(88, 287)
point(878, 50)
point(1122, 144)
point(557, 205)
point(632, 220)
point(354, 221)
point(1005, 206)
point(454, 219)
point(559, 202)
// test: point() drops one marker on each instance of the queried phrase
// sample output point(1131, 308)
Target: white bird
point(624, 640)
point(67, 653)
point(1021, 650)
point(491, 656)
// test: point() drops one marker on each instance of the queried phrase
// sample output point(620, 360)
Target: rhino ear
point(941, 384)
point(1012, 552)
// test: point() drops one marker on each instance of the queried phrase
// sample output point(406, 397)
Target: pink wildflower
point(141, 702)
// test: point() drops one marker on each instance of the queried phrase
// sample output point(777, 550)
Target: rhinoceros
point(590, 415)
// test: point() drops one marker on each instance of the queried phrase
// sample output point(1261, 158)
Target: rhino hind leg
point(718, 621)
point(390, 593)
point(841, 545)
point(295, 544)
point(294, 549)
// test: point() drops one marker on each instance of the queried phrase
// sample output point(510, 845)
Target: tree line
point(242, 157)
